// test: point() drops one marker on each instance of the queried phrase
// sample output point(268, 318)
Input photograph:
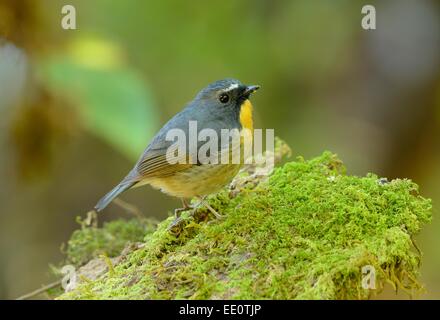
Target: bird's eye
point(224, 98)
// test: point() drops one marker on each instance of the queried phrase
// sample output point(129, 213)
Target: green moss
point(303, 233)
point(90, 241)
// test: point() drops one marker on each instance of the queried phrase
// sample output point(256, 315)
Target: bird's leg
point(193, 208)
point(215, 213)
point(185, 207)
point(177, 218)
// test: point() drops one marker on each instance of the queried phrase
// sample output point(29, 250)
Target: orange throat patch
point(246, 120)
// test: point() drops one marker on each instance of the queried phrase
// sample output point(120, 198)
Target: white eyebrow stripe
point(231, 87)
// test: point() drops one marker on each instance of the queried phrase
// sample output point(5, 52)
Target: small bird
point(223, 104)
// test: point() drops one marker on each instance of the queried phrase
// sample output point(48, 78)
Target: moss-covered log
point(304, 232)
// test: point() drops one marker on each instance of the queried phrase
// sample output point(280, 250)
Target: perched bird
point(223, 104)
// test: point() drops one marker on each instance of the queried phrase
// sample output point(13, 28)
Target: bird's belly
point(196, 181)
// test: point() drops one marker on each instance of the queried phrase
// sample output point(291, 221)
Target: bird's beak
point(249, 89)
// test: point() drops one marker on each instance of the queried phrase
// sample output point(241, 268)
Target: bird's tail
point(113, 194)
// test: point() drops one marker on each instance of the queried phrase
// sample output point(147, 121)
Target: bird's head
point(226, 93)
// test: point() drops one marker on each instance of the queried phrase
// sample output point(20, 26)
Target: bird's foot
point(178, 211)
point(177, 223)
point(186, 206)
point(178, 220)
point(215, 213)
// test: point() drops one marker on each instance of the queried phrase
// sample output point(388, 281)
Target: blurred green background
point(77, 107)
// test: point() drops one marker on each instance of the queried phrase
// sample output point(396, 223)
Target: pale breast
point(197, 181)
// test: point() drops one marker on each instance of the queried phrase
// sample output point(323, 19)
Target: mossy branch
point(305, 232)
